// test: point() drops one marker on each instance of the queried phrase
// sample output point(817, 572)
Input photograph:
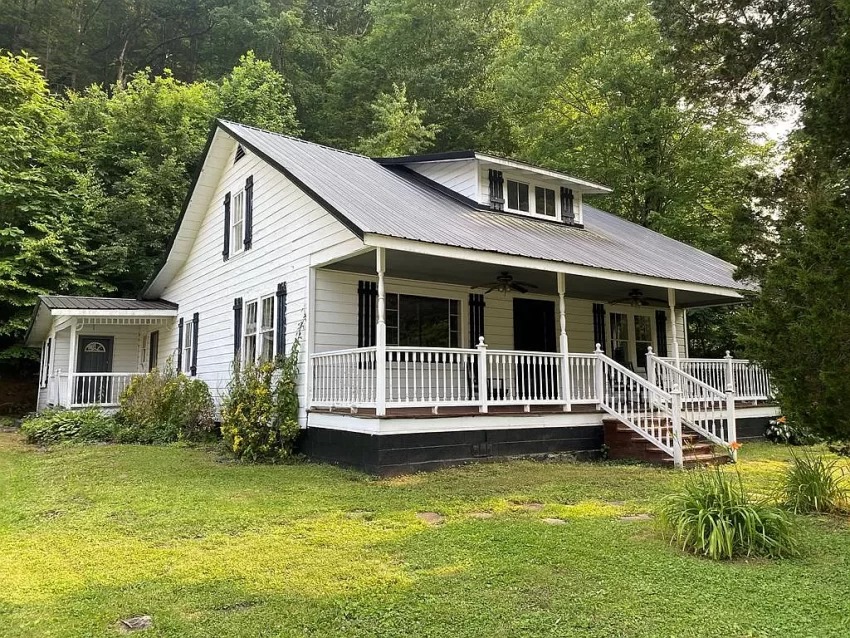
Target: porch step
point(624, 443)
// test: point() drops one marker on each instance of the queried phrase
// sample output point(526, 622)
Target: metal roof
point(371, 198)
point(62, 302)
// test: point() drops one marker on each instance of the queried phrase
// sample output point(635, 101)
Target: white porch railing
point(704, 409)
point(102, 389)
point(748, 380)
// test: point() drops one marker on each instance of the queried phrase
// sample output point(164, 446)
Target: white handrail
point(99, 389)
point(750, 381)
point(642, 406)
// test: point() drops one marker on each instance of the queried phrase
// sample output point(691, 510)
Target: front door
point(94, 354)
point(534, 330)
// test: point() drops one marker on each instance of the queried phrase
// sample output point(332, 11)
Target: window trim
point(237, 246)
point(532, 199)
point(630, 312)
point(257, 300)
point(459, 332)
point(188, 345)
point(262, 332)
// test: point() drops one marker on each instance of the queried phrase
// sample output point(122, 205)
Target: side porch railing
point(88, 389)
point(748, 380)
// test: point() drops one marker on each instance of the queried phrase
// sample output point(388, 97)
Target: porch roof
point(50, 306)
point(373, 199)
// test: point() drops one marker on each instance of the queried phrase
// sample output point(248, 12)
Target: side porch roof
point(51, 306)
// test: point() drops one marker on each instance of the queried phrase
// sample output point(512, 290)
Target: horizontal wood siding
point(288, 227)
point(459, 175)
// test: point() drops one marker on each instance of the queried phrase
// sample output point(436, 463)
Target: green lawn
point(91, 534)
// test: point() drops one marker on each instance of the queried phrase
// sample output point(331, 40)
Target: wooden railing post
point(599, 379)
point(732, 426)
point(730, 372)
point(678, 453)
point(482, 375)
point(650, 366)
point(381, 338)
point(566, 388)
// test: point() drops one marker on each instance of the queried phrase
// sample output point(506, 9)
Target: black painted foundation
point(751, 429)
point(392, 454)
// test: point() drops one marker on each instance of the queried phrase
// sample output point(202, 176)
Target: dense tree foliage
point(798, 239)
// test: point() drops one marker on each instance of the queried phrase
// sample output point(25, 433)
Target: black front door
point(534, 330)
point(94, 354)
point(534, 325)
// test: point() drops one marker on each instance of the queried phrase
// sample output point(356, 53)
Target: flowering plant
point(780, 430)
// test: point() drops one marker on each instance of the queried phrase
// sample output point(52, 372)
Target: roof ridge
point(293, 138)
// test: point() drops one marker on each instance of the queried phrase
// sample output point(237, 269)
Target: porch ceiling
point(419, 267)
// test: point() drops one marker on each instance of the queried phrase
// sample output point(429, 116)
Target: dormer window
point(518, 196)
point(544, 199)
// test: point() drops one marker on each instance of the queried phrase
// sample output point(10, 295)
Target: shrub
point(781, 431)
point(164, 406)
point(259, 415)
point(54, 426)
point(714, 517)
point(813, 484)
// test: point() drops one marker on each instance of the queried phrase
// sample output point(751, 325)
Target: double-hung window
point(544, 200)
point(249, 339)
point(237, 222)
point(188, 345)
point(422, 321)
point(267, 329)
point(518, 196)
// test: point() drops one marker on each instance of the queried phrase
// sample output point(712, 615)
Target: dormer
point(505, 185)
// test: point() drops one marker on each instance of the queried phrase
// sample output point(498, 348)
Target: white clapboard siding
point(288, 226)
point(458, 175)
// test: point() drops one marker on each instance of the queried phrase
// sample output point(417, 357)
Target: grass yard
point(91, 534)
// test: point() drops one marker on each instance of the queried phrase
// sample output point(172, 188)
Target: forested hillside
point(105, 107)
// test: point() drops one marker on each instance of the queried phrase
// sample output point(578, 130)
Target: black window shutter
point(249, 211)
point(237, 327)
point(47, 362)
point(568, 213)
point(661, 332)
point(226, 250)
point(367, 313)
point(153, 349)
point(476, 318)
point(180, 345)
point(497, 192)
point(599, 325)
point(194, 368)
point(280, 328)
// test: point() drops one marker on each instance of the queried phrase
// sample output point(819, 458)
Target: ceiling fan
point(636, 298)
point(505, 283)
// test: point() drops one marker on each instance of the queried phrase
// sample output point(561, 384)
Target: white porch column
point(565, 350)
point(381, 337)
point(72, 364)
point(671, 301)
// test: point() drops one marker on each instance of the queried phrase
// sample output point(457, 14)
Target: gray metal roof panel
point(376, 199)
point(63, 302)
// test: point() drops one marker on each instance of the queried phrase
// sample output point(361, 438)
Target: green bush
point(54, 426)
point(259, 415)
point(780, 430)
point(163, 406)
point(813, 484)
point(714, 517)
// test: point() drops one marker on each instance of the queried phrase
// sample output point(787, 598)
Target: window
point(643, 339)
point(249, 340)
point(237, 222)
point(422, 321)
point(620, 338)
point(188, 345)
point(267, 329)
point(153, 350)
point(544, 200)
point(518, 196)
point(631, 336)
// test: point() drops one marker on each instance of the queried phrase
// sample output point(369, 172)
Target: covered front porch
point(93, 348)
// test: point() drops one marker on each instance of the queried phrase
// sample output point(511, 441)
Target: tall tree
point(45, 245)
point(398, 127)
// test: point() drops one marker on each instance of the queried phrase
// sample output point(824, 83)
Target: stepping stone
point(136, 623)
point(531, 507)
point(636, 517)
point(482, 515)
point(554, 521)
point(432, 518)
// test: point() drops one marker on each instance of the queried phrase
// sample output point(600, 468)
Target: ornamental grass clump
point(814, 484)
point(259, 415)
point(714, 517)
